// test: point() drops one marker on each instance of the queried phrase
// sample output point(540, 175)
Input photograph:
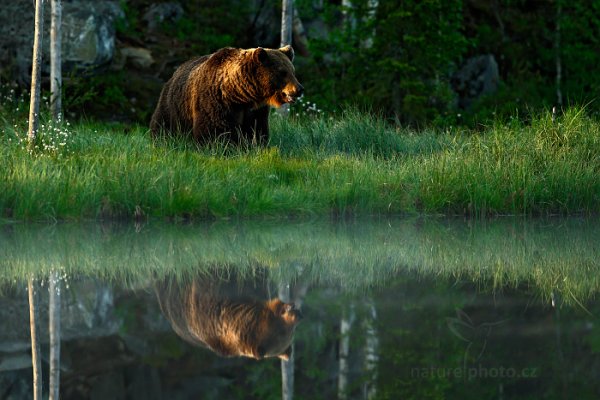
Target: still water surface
point(370, 308)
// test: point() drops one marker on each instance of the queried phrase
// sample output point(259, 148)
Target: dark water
point(381, 309)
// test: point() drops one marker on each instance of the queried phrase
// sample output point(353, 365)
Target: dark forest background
point(416, 62)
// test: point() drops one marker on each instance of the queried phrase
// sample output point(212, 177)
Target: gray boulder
point(137, 57)
point(87, 312)
point(88, 36)
point(89, 32)
point(477, 77)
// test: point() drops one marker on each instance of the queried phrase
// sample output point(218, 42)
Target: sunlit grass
point(348, 164)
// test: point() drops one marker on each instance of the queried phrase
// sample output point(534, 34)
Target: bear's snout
point(299, 91)
point(291, 313)
point(292, 92)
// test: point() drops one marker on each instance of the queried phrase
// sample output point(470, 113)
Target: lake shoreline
point(343, 167)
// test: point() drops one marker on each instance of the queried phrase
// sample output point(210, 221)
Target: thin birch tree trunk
point(36, 72)
point(287, 12)
point(559, 99)
point(287, 367)
point(371, 351)
point(54, 328)
point(344, 351)
point(56, 108)
point(55, 60)
point(295, 297)
point(35, 344)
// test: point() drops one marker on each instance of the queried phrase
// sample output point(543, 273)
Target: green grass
point(348, 164)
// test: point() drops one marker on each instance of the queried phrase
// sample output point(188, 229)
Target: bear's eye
point(282, 79)
point(282, 74)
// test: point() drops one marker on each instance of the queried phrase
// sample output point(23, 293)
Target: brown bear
point(227, 94)
point(227, 317)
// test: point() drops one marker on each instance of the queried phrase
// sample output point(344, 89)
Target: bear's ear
point(288, 51)
point(260, 55)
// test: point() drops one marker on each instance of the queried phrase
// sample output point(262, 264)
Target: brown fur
point(228, 319)
point(227, 94)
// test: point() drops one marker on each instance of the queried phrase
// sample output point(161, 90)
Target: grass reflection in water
point(560, 256)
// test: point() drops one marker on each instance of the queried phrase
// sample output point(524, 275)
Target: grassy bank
point(349, 164)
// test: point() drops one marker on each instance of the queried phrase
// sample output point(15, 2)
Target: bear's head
point(275, 330)
point(273, 75)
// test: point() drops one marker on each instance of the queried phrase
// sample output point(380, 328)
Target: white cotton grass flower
point(304, 108)
point(53, 139)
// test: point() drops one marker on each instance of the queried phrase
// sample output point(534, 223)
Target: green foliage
point(128, 25)
point(102, 91)
point(393, 58)
point(580, 25)
point(389, 57)
point(208, 25)
point(14, 105)
point(523, 38)
point(108, 97)
point(396, 58)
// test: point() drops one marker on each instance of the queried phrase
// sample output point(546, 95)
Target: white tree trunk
point(559, 99)
point(35, 344)
point(36, 71)
point(344, 351)
point(287, 12)
point(55, 60)
point(287, 367)
point(371, 352)
point(54, 328)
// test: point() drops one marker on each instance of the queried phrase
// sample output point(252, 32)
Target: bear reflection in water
point(229, 316)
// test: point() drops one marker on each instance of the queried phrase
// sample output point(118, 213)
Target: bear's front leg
point(204, 131)
point(262, 125)
point(255, 127)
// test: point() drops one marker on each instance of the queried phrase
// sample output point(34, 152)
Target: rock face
point(88, 36)
point(89, 32)
point(88, 311)
point(478, 77)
